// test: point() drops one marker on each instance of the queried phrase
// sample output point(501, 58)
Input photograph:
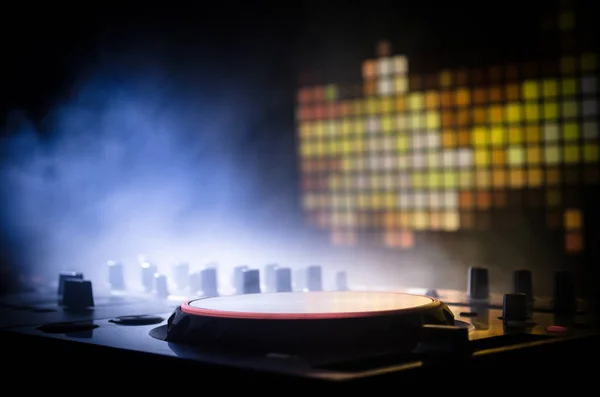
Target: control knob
point(251, 281)
point(478, 283)
point(314, 279)
point(116, 276)
point(161, 287)
point(77, 294)
point(208, 282)
point(283, 277)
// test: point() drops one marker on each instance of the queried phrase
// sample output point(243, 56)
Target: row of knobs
point(76, 292)
point(516, 304)
point(245, 279)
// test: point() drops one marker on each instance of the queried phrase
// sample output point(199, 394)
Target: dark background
point(258, 48)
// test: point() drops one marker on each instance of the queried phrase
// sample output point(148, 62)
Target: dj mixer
point(299, 338)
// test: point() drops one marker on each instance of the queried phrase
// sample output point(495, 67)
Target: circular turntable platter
point(301, 321)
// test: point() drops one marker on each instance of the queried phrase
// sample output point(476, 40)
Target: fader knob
point(522, 283)
point(514, 307)
point(299, 279)
point(238, 279)
point(271, 277)
point(63, 276)
point(181, 275)
point(195, 281)
point(478, 283)
point(116, 278)
point(148, 272)
point(251, 281)
point(77, 294)
point(314, 280)
point(283, 279)
point(161, 287)
point(564, 299)
point(341, 281)
point(208, 282)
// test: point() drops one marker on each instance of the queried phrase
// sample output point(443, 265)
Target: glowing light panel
point(404, 156)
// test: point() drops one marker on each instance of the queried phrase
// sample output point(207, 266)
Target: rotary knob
point(478, 283)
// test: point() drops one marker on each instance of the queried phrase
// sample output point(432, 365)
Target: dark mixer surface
point(326, 337)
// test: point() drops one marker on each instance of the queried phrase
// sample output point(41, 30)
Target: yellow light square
point(372, 105)
point(517, 177)
point(400, 84)
point(534, 155)
point(445, 78)
point(497, 136)
point(483, 178)
point(463, 117)
point(390, 201)
point(433, 159)
point(435, 180)
point(550, 88)
point(451, 221)
point(571, 154)
point(418, 180)
point(347, 164)
point(401, 103)
point(516, 156)
point(498, 178)
point(569, 109)
point(386, 104)
point(482, 157)
point(515, 134)
point(498, 157)
point(550, 111)
point(591, 152)
point(359, 126)
point(432, 100)
point(387, 123)
point(378, 201)
point(569, 87)
point(552, 155)
point(573, 219)
point(305, 149)
point(496, 114)
point(449, 138)
point(463, 97)
point(417, 121)
point(319, 129)
point(346, 127)
point(479, 115)
point(570, 131)
point(480, 136)
point(432, 120)
point(513, 112)
point(466, 179)
point(531, 90)
point(416, 101)
point(402, 143)
point(532, 112)
point(534, 177)
point(359, 145)
point(450, 179)
point(533, 133)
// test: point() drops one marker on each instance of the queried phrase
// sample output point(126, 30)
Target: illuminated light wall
point(438, 152)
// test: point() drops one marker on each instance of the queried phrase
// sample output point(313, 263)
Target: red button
point(556, 328)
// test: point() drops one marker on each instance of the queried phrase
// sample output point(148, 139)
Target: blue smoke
point(125, 166)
